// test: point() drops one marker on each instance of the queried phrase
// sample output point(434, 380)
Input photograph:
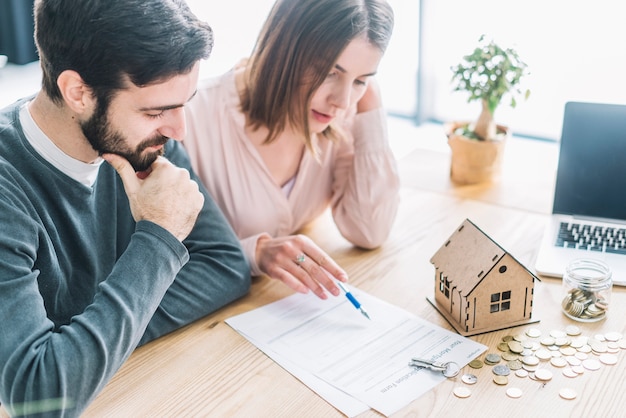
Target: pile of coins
point(528, 354)
point(582, 304)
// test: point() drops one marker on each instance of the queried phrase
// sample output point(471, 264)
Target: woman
point(296, 128)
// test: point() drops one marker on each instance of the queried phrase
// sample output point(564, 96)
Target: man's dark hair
point(109, 42)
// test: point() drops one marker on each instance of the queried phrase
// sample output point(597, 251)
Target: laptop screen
point(591, 175)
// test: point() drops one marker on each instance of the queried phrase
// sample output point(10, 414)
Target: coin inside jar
point(587, 287)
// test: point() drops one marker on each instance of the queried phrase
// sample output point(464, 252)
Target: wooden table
point(208, 369)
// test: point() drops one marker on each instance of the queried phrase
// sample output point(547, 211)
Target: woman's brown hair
point(297, 48)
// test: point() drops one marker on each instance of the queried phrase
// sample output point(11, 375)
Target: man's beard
point(106, 140)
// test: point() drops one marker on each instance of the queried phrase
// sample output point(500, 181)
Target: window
point(500, 302)
point(235, 34)
point(573, 49)
point(444, 285)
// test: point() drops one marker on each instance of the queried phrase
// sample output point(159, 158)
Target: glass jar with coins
point(587, 286)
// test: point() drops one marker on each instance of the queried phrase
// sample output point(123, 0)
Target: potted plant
point(488, 74)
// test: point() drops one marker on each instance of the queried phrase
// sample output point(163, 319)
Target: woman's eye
point(360, 82)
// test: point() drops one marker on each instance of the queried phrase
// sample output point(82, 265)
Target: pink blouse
point(357, 177)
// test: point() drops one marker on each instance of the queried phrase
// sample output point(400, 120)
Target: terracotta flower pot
point(475, 161)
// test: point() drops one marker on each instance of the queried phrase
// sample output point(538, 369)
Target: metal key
point(448, 369)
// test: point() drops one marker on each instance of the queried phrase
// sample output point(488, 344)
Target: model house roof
point(468, 255)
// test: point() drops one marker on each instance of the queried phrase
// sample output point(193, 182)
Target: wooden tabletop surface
point(208, 369)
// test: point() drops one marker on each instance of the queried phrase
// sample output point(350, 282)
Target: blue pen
point(353, 300)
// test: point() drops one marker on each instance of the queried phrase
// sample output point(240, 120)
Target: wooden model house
point(479, 287)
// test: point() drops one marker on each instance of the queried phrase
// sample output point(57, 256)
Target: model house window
point(500, 301)
point(444, 285)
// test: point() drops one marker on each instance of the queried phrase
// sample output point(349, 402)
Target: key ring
point(448, 369)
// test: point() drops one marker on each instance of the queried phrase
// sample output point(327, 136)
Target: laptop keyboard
point(592, 237)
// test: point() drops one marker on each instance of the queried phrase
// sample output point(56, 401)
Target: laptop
point(589, 209)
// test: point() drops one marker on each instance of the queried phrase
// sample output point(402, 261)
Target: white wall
point(235, 25)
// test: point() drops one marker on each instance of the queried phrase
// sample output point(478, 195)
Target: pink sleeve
point(366, 184)
point(249, 249)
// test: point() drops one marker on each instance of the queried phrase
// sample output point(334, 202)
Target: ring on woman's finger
point(300, 258)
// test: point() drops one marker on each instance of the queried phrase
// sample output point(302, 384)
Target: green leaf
point(489, 73)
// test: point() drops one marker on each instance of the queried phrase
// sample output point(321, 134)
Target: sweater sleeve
point(366, 183)
point(156, 285)
point(217, 272)
point(64, 368)
point(249, 248)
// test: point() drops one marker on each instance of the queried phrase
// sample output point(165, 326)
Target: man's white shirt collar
point(85, 173)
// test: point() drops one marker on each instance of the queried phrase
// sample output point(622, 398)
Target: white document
point(353, 363)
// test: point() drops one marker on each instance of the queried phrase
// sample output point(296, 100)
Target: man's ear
point(76, 94)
